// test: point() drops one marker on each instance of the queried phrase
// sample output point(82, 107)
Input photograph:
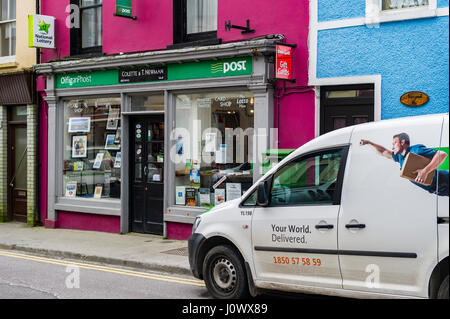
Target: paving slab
point(149, 252)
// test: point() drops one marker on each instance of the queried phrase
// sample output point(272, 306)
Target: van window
point(251, 200)
point(308, 180)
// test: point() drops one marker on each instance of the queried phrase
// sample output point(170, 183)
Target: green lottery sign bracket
point(124, 9)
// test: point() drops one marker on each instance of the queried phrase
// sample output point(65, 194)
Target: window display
point(212, 147)
point(92, 152)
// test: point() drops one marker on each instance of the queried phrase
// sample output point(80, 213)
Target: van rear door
point(443, 202)
point(387, 233)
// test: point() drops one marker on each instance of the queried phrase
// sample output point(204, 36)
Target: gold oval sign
point(414, 99)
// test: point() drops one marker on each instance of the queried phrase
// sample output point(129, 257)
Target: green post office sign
point(187, 71)
point(124, 8)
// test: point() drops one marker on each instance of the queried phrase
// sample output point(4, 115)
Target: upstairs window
point(195, 20)
point(91, 23)
point(88, 37)
point(399, 4)
point(7, 28)
point(396, 10)
point(201, 16)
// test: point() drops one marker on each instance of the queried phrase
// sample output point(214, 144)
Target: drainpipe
point(38, 120)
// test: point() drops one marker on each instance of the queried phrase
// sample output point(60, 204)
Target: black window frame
point(76, 42)
point(181, 37)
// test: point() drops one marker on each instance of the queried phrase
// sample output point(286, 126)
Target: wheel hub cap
point(224, 274)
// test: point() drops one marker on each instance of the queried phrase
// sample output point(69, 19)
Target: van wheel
point(224, 273)
point(443, 289)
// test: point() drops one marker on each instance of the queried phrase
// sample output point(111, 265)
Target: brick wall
point(31, 165)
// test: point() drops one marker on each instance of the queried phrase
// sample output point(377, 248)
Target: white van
point(336, 218)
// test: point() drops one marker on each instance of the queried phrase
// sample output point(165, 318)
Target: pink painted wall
point(179, 231)
point(43, 155)
point(295, 105)
point(57, 9)
point(294, 115)
point(153, 30)
point(81, 221)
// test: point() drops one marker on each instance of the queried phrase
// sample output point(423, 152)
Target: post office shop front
point(146, 142)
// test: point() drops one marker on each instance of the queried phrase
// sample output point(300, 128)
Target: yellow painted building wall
point(25, 56)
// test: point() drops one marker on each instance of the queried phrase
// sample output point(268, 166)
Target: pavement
point(147, 252)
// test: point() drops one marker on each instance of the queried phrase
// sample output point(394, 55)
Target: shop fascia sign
point(172, 72)
point(41, 31)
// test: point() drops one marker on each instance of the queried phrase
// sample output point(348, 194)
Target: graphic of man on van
point(401, 146)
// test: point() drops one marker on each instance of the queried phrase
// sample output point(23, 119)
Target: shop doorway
point(147, 174)
point(345, 105)
point(17, 164)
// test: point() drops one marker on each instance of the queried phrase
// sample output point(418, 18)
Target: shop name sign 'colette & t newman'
point(239, 66)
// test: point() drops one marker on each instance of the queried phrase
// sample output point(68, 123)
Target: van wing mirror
point(263, 194)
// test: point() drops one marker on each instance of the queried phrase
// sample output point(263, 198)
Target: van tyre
point(443, 289)
point(224, 273)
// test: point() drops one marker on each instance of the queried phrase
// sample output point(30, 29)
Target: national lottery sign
point(41, 31)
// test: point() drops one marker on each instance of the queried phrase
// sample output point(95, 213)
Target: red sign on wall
point(284, 62)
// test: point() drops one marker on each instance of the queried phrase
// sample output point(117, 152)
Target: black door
point(343, 106)
point(147, 174)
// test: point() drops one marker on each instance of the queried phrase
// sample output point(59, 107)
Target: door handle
point(324, 226)
point(359, 226)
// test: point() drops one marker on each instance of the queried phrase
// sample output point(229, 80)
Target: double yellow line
point(185, 281)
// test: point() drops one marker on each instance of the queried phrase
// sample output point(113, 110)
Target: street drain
point(179, 252)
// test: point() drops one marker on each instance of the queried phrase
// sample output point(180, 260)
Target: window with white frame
point(7, 28)
point(395, 10)
point(400, 4)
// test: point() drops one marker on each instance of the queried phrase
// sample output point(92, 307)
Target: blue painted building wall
point(410, 55)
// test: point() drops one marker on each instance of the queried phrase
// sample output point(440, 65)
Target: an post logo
point(75, 80)
point(225, 67)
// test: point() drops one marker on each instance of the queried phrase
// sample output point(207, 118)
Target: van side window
point(307, 181)
point(251, 200)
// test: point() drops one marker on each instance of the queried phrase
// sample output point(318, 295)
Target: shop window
point(92, 148)
point(145, 102)
point(7, 29)
point(87, 39)
point(213, 144)
point(195, 21)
